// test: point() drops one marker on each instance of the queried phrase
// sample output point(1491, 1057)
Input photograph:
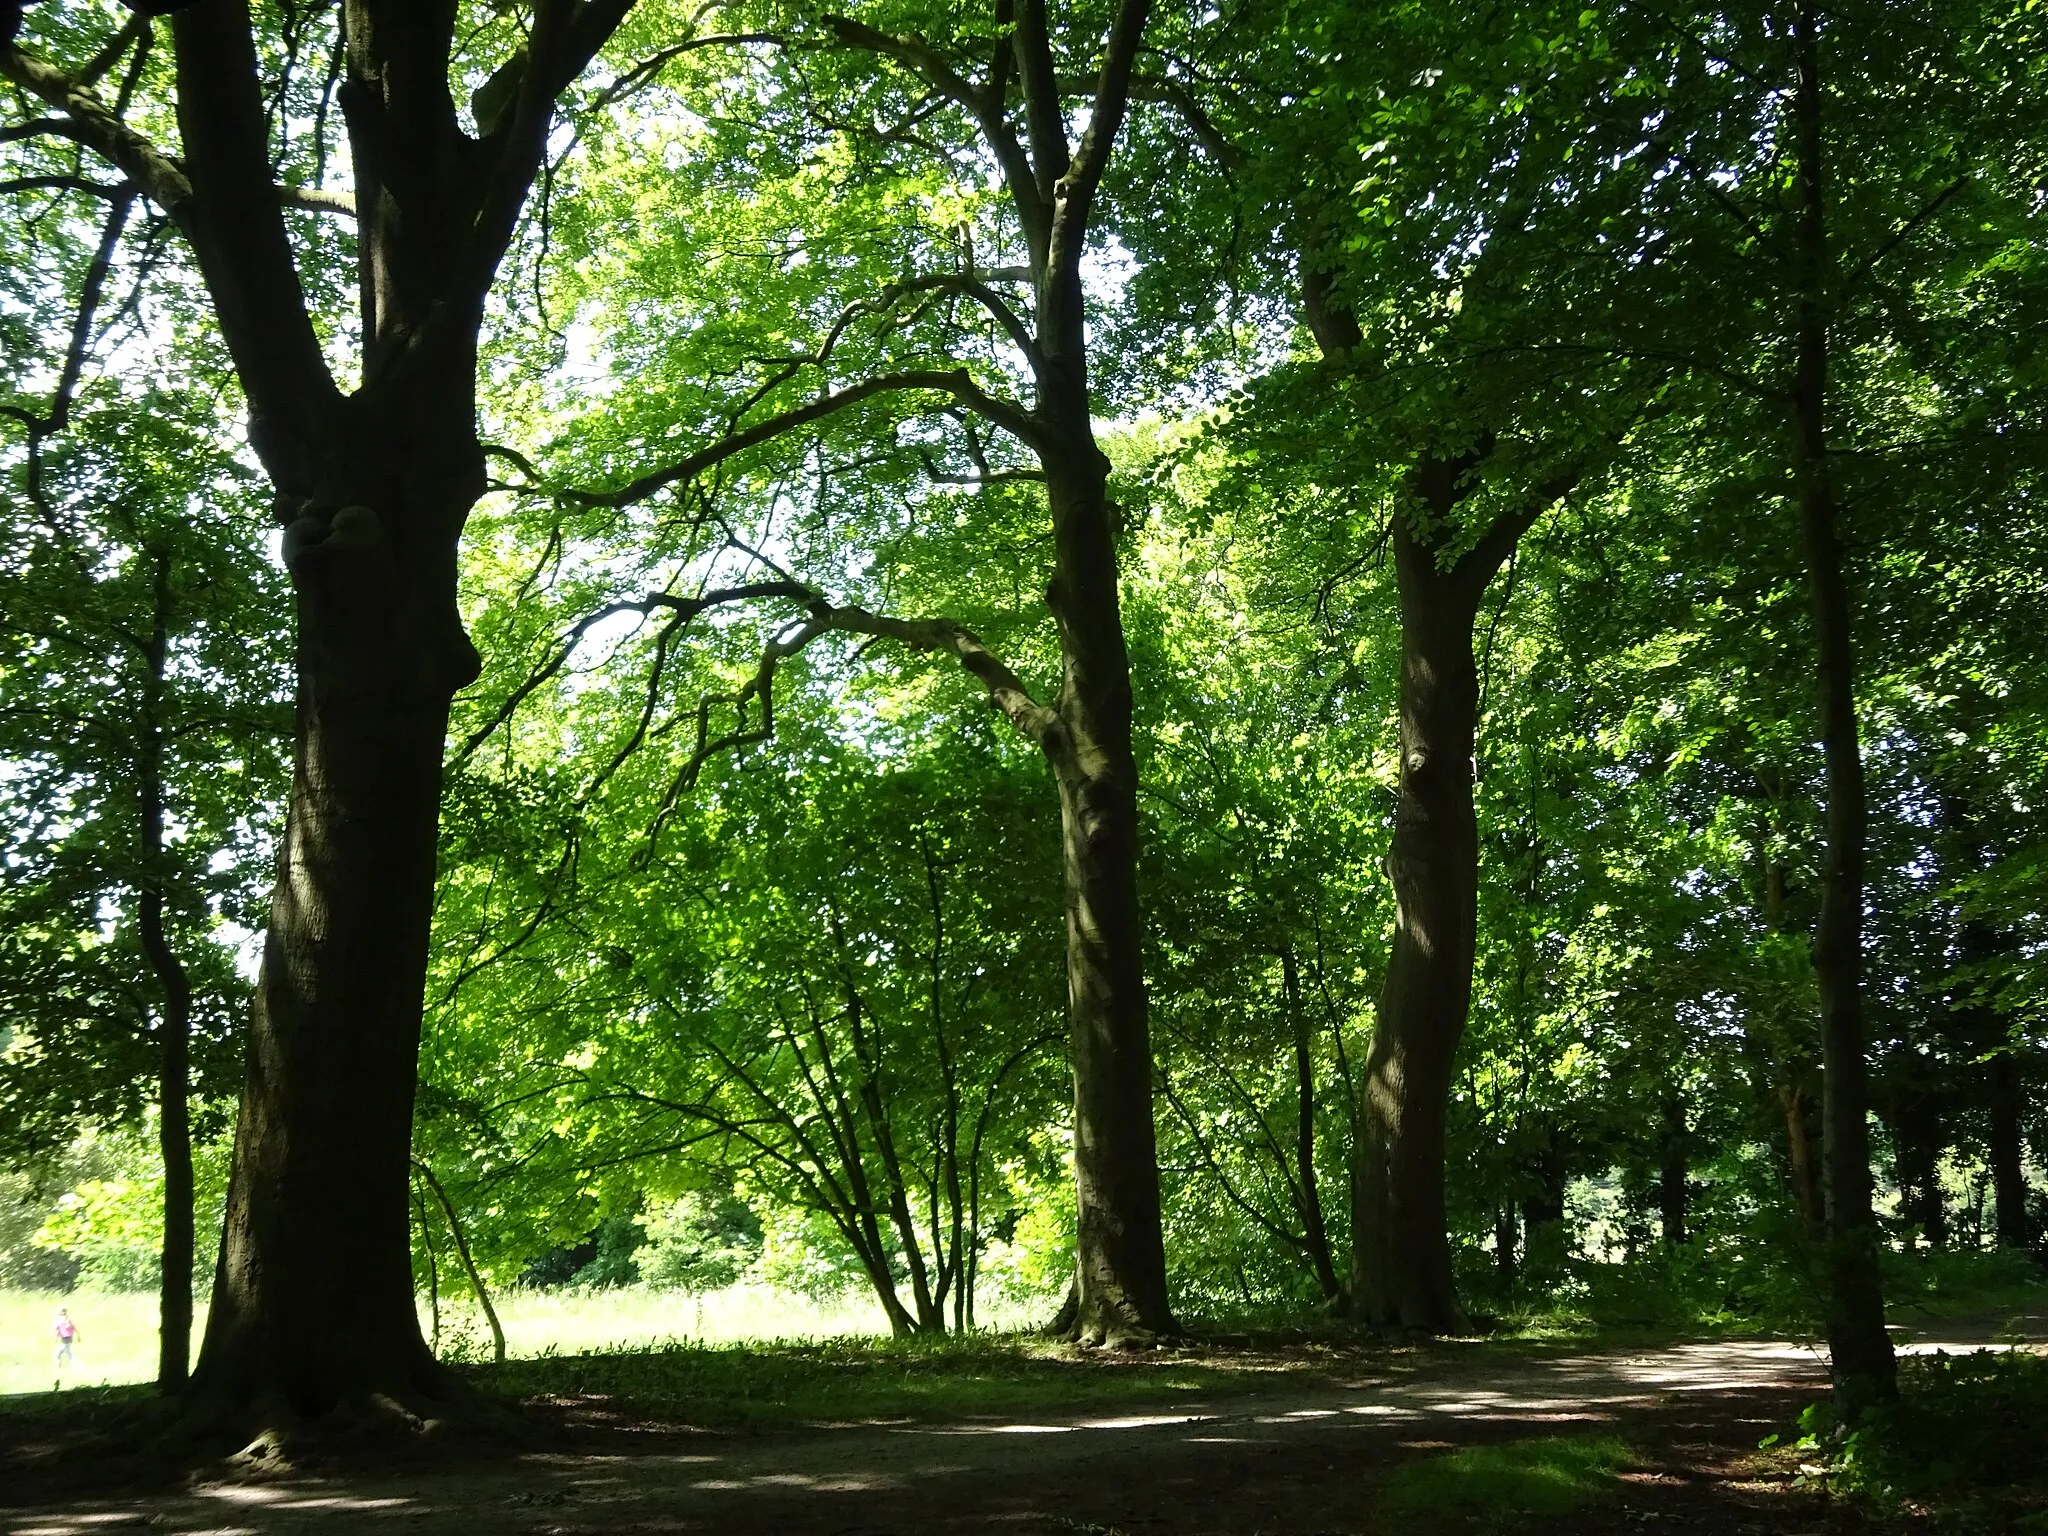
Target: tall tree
point(312, 1308)
point(140, 720)
point(983, 86)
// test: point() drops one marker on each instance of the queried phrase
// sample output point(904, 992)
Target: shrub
point(1961, 1422)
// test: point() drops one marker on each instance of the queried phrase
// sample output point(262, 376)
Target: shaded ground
point(1229, 1441)
point(1300, 1458)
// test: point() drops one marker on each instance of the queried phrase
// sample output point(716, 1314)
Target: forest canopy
point(1147, 662)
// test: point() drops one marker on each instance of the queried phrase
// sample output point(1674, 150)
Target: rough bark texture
point(313, 1300)
point(1863, 1366)
point(1085, 733)
point(1400, 1257)
point(1120, 1251)
point(1120, 1254)
point(313, 1312)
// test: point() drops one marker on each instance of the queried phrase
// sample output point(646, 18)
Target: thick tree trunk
point(312, 1305)
point(313, 1302)
point(1862, 1362)
point(1401, 1256)
point(1120, 1256)
point(174, 1023)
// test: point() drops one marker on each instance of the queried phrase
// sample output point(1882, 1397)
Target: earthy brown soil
point(1302, 1459)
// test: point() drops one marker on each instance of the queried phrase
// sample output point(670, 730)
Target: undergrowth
point(1717, 1293)
point(1962, 1445)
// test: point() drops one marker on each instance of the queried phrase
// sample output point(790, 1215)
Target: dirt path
point(1301, 1459)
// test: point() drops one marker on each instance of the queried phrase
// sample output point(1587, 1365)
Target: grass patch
point(856, 1380)
point(117, 1340)
point(1494, 1487)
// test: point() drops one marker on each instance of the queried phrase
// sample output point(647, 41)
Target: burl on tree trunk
point(313, 1307)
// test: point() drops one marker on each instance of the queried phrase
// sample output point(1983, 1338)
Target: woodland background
point(709, 1003)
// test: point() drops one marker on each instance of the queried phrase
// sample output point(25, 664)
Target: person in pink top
point(67, 1333)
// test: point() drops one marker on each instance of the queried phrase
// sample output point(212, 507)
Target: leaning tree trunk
point(1862, 1362)
point(1401, 1255)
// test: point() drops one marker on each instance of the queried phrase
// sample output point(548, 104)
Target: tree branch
point(1034, 210)
point(565, 37)
point(971, 285)
point(236, 226)
point(684, 608)
point(1050, 156)
point(91, 122)
point(1112, 97)
point(317, 200)
point(955, 382)
point(110, 191)
point(1902, 234)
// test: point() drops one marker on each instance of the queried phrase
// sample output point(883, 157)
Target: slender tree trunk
point(1984, 1033)
point(433, 1276)
point(1315, 1229)
point(476, 1279)
point(1863, 1365)
point(2005, 1099)
point(1543, 1210)
point(1915, 1124)
point(1672, 1174)
point(1506, 1233)
point(1801, 1170)
point(174, 1023)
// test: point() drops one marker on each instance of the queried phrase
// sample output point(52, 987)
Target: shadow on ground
point(1293, 1461)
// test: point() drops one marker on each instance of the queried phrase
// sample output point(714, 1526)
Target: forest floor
point(1328, 1438)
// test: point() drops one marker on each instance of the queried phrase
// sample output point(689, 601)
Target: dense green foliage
point(748, 935)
